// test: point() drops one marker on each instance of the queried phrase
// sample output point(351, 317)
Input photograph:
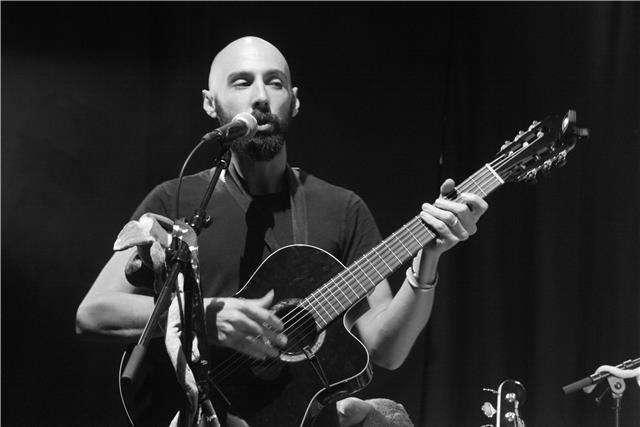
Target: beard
point(261, 147)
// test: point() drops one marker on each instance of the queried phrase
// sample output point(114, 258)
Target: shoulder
point(161, 198)
point(325, 191)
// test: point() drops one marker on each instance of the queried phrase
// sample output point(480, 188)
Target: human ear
point(208, 105)
point(296, 102)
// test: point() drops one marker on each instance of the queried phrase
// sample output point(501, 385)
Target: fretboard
point(353, 283)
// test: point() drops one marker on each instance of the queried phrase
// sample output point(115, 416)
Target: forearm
point(114, 316)
point(392, 328)
point(113, 309)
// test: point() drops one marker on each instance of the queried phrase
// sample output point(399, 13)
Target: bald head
point(250, 75)
point(246, 53)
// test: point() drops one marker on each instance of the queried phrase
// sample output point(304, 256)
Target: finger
point(447, 186)
point(231, 337)
point(442, 222)
point(446, 215)
point(266, 300)
point(464, 218)
point(246, 326)
point(257, 310)
point(260, 347)
point(477, 205)
point(251, 328)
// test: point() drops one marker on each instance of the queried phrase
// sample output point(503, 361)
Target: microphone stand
point(179, 260)
point(614, 376)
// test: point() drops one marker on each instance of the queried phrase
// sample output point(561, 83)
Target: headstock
point(541, 147)
point(510, 396)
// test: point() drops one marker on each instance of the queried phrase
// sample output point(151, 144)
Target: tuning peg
point(529, 177)
point(534, 124)
point(488, 410)
point(561, 159)
point(519, 135)
point(505, 145)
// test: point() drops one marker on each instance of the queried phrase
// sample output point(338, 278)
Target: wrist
point(425, 265)
point(416, 283)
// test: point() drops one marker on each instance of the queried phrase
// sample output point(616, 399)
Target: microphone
point(243, 124)
point(597, 377)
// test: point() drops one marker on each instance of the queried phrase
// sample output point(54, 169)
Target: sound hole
point(301, 331)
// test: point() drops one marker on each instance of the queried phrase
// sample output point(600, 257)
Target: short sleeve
point(360, 231)
point(157, 202)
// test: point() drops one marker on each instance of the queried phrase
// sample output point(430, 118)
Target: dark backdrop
point(102, 101)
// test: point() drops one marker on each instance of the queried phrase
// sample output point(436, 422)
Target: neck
point(262, 177)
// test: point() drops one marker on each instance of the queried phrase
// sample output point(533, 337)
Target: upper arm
point(112, 277)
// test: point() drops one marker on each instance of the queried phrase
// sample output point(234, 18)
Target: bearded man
point(260, 205)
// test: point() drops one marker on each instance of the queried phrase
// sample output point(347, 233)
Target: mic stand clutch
point(179, 261)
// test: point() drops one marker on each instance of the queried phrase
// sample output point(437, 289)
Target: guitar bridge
point(316, 365)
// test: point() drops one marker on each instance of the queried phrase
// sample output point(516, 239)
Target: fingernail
point(282, 339)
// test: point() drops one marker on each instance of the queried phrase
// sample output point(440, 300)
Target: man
point(255, 211)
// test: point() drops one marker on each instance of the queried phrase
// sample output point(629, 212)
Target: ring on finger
point(455, 221)
point(261, 338)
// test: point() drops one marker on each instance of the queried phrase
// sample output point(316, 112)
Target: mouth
point(266, 127)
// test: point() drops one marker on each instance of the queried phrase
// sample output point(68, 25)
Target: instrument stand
point(617, 387)
point(180, 261)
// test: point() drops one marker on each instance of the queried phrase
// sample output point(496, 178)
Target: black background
point(101, 101)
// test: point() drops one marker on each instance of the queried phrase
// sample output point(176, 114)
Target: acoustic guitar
point(323, 361)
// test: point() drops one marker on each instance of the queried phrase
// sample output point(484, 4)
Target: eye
point(277, 83)
point(240, 83)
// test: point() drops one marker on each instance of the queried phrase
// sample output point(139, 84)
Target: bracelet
point(412, 278)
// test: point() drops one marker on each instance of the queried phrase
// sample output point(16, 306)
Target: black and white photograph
point(320, 214)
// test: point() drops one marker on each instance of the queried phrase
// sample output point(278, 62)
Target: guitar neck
point(352, 284)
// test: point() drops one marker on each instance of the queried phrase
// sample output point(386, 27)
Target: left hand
point(452, 221)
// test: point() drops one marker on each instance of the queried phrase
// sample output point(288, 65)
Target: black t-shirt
point(233, 246)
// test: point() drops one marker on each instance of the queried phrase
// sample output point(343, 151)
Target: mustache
point(265, 118)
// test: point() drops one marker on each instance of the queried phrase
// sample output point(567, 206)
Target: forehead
point(247, 55)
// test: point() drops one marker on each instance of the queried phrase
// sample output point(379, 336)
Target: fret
point(357, 264)
point(392, 252)
point(365, 273)
point(340, 289)
point(411, 234)
point(374, 268)
point(429, 234)
point(478, 186)
point(380, 256)
point(500, 180)
point(349, 287)
point(398, 239)
point(338, 299)
point(334, 297)
point(348, 270)
point(319, 302)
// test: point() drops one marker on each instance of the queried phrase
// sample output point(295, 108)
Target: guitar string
point(309, 328)
point(288, 328)
point(461, 188)
point(313, 325)
point(477, 183)
point(376, 252)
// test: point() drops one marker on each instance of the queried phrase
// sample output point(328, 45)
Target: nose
point(260, 99)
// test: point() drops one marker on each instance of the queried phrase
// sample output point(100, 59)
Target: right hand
point(245, 325)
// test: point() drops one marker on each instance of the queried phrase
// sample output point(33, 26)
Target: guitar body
point(313, 371)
